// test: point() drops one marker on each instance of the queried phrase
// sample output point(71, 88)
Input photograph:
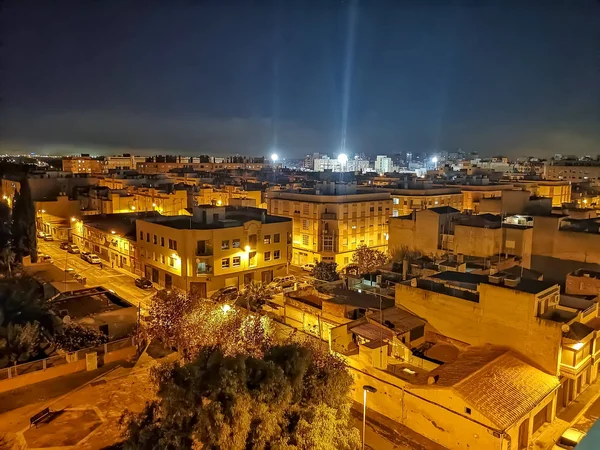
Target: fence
point(59, 360)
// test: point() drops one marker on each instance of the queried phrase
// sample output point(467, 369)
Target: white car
point(45, 258)
point(569, 439)
point(93, 258)
point(308, 267)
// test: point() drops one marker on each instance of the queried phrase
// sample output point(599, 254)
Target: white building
point(383, 164)
point(352, 165)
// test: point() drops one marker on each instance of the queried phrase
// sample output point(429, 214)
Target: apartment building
point(102, 200)
point(406, 201)
point(112, 237)
point(474, 194)
point(559, 191)
point(227, 195)
point(332, 220)
point(83, 164)
point(123, 162)
point(45, 186)
point(574, 170)
point(153, 167)
point(214, 248)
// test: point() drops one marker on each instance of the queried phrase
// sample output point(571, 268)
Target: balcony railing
point(328, 216)
point(204, 252)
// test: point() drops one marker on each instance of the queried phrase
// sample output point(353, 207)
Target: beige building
point(407, 200)
point(112, 201)
point(574, 171)
point(112, 237)
point(123, 162)
point(331, 221)
point(83, 164)
point(474, 194)
point(228, 195)
point(558, 191)
point(214, 248)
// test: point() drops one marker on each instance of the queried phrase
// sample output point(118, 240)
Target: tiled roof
point(497, 383)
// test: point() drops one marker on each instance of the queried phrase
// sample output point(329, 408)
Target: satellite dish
point(67, 320)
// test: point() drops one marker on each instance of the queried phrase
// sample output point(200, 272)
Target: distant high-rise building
point(383, 164)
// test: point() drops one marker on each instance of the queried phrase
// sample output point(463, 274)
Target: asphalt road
point(120, 282)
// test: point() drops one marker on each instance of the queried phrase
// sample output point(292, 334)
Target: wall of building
point(502, 317)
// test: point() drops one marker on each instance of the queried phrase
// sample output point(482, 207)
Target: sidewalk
point(565, 419)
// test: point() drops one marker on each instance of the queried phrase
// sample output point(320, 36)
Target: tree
point(254, 296)
point(25, 320)
point(326, 271)
point(23, 224)
point(284, 400)
point(75, 337)
point(7, 259)
point(368, 259)
point(168, 315)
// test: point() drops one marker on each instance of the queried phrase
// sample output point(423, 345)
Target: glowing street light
point(73, 219)
point(132, 208)
point(247, 248)
point(274, 157)
point(226, 308)
point(112, 231)
point(366, 388)
point(343, 158)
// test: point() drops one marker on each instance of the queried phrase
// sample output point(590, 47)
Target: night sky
point(224, 77)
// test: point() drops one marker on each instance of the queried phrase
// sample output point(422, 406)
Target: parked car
point(45, 258)
point(73, 249)
point(143, 283)
point(225, 294)
point(84, 255)
point(308, 267)
point(41, 234)
point(93, 258)
point(569, 439)
point(278, 281)
point(65, 245)
point(48, 237)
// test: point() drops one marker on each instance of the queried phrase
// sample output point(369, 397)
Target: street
point(120, 281)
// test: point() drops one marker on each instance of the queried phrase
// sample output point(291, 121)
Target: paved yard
point(63, 428)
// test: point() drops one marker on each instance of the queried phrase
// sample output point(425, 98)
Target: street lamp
point(226, 308)
point(366, 388)
point(274, 157)
point(247, 248)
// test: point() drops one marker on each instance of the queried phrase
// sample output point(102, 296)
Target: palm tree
point(254, 296)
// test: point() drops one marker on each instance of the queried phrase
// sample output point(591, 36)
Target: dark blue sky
point(222, 77)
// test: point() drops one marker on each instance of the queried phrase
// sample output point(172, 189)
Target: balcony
point(202, 268)
point(328, 216)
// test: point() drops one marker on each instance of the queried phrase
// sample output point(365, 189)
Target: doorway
point(266, 276)
point(154, 275)
point(168, 281)
point(198, 289)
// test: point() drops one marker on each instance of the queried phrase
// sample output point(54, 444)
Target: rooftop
point(497, 382)
point(122, 224)
point(585, 273)
point(398, 320)
point(523, 285)
point(87, 302)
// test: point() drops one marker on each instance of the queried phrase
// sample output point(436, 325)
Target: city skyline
point(196, 79)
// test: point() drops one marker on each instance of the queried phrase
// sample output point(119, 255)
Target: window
point(305, 239)
point(162, 241)
point(141, 235)
point(276, 254)
point(225, 263)
point(372, 209)
point(236, 261)
point(236, 243)
point(224, 245)
point(468, 410)
point(154, 240)
point(306, 209)
point(380, 208)
point(267, 239)
point(171, 261)
point(276, 238)
point(328, 243)
point(305, 224)
point(162, 259)
point(267, 256)
point(147, 237)
point(172, 244)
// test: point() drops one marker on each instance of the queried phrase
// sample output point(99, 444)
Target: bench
point(34, 420)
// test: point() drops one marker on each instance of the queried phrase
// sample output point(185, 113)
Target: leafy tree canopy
point(326, 271)
point(368, 259)
point(293, 398)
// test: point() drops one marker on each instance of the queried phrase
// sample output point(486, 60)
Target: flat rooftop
point(585, 273)
point(87, 302)
point(524, 285)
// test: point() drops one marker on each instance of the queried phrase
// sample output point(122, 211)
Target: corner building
point(332, 220)
point(214, 248)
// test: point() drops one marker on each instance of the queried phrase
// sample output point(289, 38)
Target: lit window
point(305, 224)
point(236, 243)
point(396, 201)
point(225, 245)
point(305, 239)
point(276, 254)
point(236, 261)
point(225, 263)
point(267, 239)
point(267, 256)
point(171, 261)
